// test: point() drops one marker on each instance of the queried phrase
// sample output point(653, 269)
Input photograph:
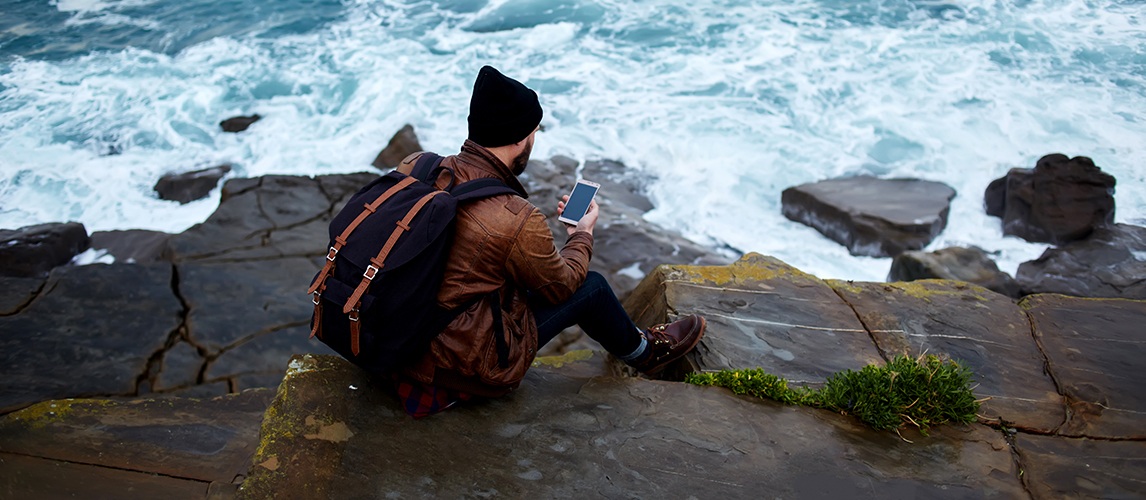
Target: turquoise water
point(724, 104)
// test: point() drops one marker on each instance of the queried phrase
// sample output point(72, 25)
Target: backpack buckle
point(331, 254)
point(353, 315)
point(316, 298)
point(371, 271)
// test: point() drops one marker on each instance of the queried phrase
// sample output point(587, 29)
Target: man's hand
point(586, 223)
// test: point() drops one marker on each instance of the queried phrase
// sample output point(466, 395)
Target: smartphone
point(579, 200)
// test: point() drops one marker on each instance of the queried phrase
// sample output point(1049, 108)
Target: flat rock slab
point(90, 331)
point(205, 440)
point(761, 313)
point(331, 433)
point(1059, 467)
point(871, 216)
point(983, 330)
point(250, 316)
point(268, 217)
point(28, 477)
point(1097, 355)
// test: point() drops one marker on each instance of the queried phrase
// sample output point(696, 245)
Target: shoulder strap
point(425, 166)
point(480, 188)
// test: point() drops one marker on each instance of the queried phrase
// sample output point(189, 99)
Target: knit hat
point(502, 110)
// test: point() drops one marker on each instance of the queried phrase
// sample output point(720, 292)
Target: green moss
point(921, 289)
point(564, 359)
point(916, 392)
point(44, 413)
point(750, 267)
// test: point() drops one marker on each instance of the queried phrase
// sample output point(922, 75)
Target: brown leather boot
point(668, 342)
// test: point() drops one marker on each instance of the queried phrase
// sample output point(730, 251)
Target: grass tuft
point(906, 392)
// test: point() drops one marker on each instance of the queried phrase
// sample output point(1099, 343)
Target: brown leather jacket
point(501, 244)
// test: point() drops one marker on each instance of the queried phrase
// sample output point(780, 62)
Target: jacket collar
point(480, 158)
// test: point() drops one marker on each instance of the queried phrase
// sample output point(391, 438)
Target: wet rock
point(29, 477)
point(269, 217)
point(870, 216)
point(761, 313)
point(135, 446)
point(972, 265)
point(18, 293)
point(1057, 467)
point(995, 198)
point(403, 144)
point(238, 123)
point(190, 186)
point(1061, 200)
point(1111, 262)
point(250, 316)
point(32, 251)
point(92, 331)
point(181, 366)
point(562, 434)
point(984, 331)
point(1095, 353)
point(134, 246)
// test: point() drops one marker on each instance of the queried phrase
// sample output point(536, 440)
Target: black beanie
point(503, 111)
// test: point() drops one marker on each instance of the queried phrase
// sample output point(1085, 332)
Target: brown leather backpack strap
point(379, 261)
point(316, 328)
point(367, 210)
point(355, 331)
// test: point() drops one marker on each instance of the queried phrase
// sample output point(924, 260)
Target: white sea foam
point(725, 105)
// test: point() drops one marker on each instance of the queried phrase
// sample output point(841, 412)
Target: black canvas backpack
point(375, 299)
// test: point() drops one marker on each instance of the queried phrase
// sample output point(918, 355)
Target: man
point(504, 262)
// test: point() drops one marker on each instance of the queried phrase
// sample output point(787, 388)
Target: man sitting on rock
point(502, 244)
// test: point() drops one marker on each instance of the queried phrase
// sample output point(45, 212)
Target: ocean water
point(722, 103)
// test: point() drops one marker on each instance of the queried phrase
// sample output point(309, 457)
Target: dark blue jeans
point(595, 308)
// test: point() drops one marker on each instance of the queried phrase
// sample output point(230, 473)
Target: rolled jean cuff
point(636, 352)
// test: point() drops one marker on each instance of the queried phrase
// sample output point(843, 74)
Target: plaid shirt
point(422, 400)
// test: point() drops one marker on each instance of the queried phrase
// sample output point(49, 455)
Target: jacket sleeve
point(535, 264)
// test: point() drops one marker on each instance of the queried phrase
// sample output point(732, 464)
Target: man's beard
point(522, 160)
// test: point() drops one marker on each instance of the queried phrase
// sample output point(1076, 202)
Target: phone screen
point(579, 201)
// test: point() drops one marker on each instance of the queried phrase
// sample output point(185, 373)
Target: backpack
point(375, 299)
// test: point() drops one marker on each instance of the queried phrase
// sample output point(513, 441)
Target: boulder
point(1111, 262)
point(190, 186)
point(134, 246)
point(238, 123)
point(32, 251)
point(1096, 355)
point(1061, 200)
point(403, 144)
point(870, 216)
point(332, 432)
point(972, 265)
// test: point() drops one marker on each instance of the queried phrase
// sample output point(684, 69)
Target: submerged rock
point(32, 251)
point(1111, 262)
point(1061, 200)
point(190, 186)
point(238, 123)
point(403, 144)
point(956, 263)
point(870, 216)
